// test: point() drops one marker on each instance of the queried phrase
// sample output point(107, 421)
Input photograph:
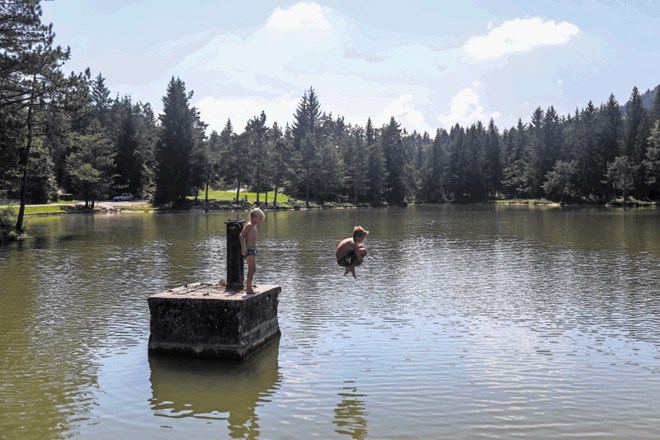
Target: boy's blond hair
point(359, 231)
point(256, 212)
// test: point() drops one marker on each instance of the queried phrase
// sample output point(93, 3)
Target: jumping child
point(351, 251)
point(248, 239)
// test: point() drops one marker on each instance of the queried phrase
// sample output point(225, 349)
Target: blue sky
point(430, 64)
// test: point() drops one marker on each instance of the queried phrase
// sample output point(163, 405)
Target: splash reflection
point(351, 413)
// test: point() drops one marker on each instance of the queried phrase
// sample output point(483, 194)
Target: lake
point(464, 322)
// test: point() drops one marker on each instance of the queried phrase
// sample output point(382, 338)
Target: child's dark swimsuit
point(347, 260)
point(251, 250)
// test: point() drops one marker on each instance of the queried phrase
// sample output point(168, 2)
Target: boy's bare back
point(249, 233)
point(344, 247)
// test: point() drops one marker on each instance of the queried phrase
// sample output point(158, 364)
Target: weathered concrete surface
point(205, 320)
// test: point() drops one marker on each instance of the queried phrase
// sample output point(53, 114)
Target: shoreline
point(123, 208)
point(109, 208)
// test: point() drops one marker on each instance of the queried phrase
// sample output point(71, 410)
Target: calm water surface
point(464, 322)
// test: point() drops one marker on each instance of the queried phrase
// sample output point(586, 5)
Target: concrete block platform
point(206, 320)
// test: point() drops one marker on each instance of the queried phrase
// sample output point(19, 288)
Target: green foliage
point(230, 196)
point(177, 144)
point(30, 83)
point(392, 147)
point(257, 153)
point(131, 131)
point(41, 187)
point(90, 165)
point(355, 160)
point(621, 175)
point(281, 150)
point(69, 134)
point(376, 171)
point(516, 181)
point(652, 161)
point(560, 182)
point(7, 219)
point(493, 160)
point(233, 166)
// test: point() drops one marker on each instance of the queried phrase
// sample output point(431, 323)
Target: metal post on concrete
point(235, 268)
point(207, 320)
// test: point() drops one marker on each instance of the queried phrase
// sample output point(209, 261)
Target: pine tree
point(635, 131)
point(536, 153)
point(128, 162)
point(329, 178)
point(474, 177)
point(306, 141)
point(434, 179)
point(176, 144)
point(30, 78)
point(281, 152)
point(655, 113)
point(101, 101)
point(493, 164)
point(393, 151)
point(356, 156)
point(457, 162)
point(652, 161)
point(610, 130)
point(90, 165)
point(257, 155)
point(376, 171)
point(234, 167)
point(213, 159)
point(587, 152)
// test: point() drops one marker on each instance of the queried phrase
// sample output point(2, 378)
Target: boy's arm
point(358, 255)
point(241, 238)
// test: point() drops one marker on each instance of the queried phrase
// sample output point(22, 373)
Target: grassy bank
point(53, 208)
point(63, 208)
point(230, 196)
point(227, 199)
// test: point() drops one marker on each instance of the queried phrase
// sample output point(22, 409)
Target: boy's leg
point(252, 268)
point(351, 268)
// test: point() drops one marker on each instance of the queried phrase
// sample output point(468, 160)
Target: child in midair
point(351, 251)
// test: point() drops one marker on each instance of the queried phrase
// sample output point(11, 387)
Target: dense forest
point(71, 134)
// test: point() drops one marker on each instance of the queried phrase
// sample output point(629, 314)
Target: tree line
point(72, 134)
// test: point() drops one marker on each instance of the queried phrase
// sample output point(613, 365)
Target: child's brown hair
point(359, 231)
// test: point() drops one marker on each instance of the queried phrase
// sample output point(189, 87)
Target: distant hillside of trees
point(648, 99)
point(72, 134)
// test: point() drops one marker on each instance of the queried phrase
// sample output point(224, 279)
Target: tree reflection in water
point(216, 390)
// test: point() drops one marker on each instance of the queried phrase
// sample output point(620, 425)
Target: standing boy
point(248, 239)
point(351, 251)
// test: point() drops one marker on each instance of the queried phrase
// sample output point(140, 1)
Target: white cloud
point(519, 35)
point(305, 46)
point(406, 113)
point(240, 110)
point(466, 110)
point(298, 17)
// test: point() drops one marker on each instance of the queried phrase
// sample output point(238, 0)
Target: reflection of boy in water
point(351, 251)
